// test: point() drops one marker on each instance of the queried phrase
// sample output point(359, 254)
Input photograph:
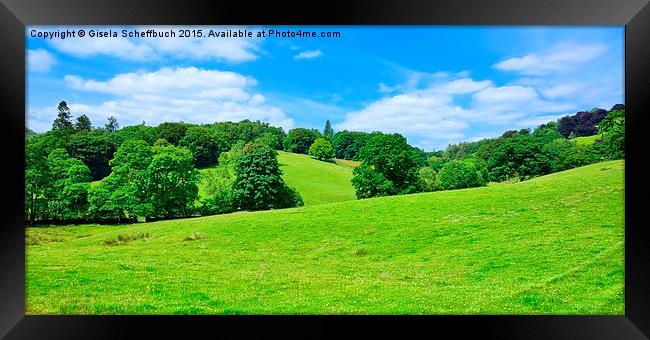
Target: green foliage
point(518, 156)
point(259, 184)
point(229, 133)
point(300, 139)
point(321, 149)
point(460, 174)
point(394, 162)
point(172, 132)
point(172, 181)
point(63, 121)
point(218, 183)
point(111, 125)
point(612, 128)
point(436, 162)
point(94, 148)
point(68, 194)
point(370, 183)
point(37, 181)
point(328, 132)
point(83, 124)
point(137, 132)
point(428, 179)
point(347, 144)
point(547, 133)
point(202, 144)
point(567, 154)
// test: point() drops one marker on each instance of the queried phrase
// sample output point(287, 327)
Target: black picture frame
point(633, 14)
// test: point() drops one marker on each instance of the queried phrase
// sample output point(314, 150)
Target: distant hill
point(29, 133)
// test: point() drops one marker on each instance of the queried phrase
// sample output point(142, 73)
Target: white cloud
point(308, 54)
point(172, 94)
point(461, 86)
point(561, 90)
point(563, 57)
point(436, 115)
point(507, 95)
point(40, 60)
point(230, 50)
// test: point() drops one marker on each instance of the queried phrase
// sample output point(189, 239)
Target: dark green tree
point(83, 124)
point(520, 156)
point(328, 132)
point(172, 132)
point(63, 121)
point(95, 148)
point(112, 124)
point(202, 144)
point(300, 139)
point(390, 156)
point(347, 144)
point(259, 184)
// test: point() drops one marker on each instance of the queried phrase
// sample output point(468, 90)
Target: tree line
point(79, 173)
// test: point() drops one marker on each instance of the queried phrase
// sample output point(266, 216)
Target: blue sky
point(434, 84)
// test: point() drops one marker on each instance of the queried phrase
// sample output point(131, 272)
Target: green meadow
point(550, 245)
point(317, 182)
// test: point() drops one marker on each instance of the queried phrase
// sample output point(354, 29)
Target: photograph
point(325, 170)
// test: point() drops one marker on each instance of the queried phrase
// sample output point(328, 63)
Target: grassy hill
point(587, 139)
point(317, 182)
point(551, 245)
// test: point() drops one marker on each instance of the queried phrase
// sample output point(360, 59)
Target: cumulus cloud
point(185, 94)
point(438, 113)
point(563, 57)
point(229, 50)
point(308, 54)
point(40, 60)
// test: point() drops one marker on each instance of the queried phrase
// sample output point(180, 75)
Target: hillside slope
point(317, 182)
point(551, 245)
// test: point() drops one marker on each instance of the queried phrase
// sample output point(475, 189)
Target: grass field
point(587, 139)
point(550, 245)
point(317, 181)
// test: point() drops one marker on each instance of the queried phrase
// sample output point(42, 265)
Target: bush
point(459, 174)
point(321, 149)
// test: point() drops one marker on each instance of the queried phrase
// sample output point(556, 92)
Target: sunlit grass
point(551, 245)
